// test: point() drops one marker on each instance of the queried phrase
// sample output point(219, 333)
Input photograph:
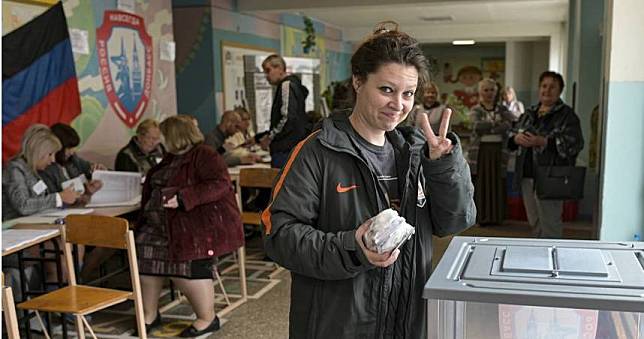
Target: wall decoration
point(232, 65)
point(97, 113)
point(125, 61)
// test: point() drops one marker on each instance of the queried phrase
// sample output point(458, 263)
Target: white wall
point(525, 60)
point(622, 176)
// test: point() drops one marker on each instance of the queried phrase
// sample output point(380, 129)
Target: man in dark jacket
point(228, 126)
point(289, 122)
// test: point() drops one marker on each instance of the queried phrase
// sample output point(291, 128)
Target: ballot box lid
point(559, 273)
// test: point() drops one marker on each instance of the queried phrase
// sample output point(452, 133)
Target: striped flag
point(38, 77)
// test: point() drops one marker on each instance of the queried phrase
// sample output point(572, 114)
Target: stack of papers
point(119, 189)
point(16, 238)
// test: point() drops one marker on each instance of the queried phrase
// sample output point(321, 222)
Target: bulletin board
point(232, 65)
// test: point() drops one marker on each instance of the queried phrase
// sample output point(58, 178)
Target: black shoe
point(149, 327)
point(193, 332)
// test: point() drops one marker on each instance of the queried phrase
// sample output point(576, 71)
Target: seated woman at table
point(189, 217)
point(24, 191)
point(68, 165)
point(144, 150)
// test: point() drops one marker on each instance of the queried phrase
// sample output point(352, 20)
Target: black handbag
point(560, 182)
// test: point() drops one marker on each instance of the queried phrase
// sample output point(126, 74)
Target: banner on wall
point(125, 64)
point(38, 77)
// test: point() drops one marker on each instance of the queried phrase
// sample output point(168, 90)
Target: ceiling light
point(463, 42)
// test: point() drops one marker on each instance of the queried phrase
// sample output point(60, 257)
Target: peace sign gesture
point(439, 145)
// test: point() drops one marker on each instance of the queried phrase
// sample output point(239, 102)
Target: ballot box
point(505, 288)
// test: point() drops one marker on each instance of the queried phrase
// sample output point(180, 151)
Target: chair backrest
point(257, 177)
point(104, 231)
point(9, 311)
point(96, 230)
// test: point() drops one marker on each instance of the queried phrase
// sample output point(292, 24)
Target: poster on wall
point(458, 80)
point(233, 71)
point(125, 64)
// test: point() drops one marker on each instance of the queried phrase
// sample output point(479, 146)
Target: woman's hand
point(68, 195)
point(93, 186)
point(172, 202)
point(439, 145)
point(376, 259)
point(527, 139)
point(536, 140)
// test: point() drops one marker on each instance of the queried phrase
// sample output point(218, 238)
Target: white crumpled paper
point(387, 232)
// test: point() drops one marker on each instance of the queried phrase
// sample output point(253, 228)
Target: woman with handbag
point(548, 137)
point(189, 217)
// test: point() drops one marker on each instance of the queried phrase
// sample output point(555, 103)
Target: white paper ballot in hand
point(119, 189)
point(78, 183)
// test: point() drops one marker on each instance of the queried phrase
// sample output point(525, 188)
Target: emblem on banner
point(125, 64)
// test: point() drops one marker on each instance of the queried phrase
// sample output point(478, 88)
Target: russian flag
point(38, 77)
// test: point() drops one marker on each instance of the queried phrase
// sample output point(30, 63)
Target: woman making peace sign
point(347, 172)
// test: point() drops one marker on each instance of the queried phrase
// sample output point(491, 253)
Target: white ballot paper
point(78, 183)
point(63, 212)
point(119, 189)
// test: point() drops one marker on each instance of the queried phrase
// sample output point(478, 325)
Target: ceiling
point(431, 21)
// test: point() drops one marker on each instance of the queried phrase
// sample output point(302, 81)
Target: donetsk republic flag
point(38, 77)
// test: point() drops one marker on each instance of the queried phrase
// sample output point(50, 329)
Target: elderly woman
point(68, 165)
point(189, 217)
point(143, 151)
point(547, 134)
point(490, 123)
point(24, 191)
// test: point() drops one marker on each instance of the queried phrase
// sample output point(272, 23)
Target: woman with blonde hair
point(24, 191)
point(509, 100)
point(189, 217)
point(429, 105)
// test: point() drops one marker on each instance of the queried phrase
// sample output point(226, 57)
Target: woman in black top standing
point(547, 134)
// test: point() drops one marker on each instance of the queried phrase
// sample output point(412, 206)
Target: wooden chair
point(79, 300)
point(255, 178)
point(9, 310)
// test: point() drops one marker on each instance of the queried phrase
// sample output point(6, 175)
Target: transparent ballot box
point(500, 288)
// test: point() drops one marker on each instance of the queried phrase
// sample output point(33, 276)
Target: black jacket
point(311, 223)
point(289, 121)
point(565, 140)
point(54, 177)
point(132, 159)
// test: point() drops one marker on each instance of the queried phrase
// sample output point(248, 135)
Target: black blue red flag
point(39, 82)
